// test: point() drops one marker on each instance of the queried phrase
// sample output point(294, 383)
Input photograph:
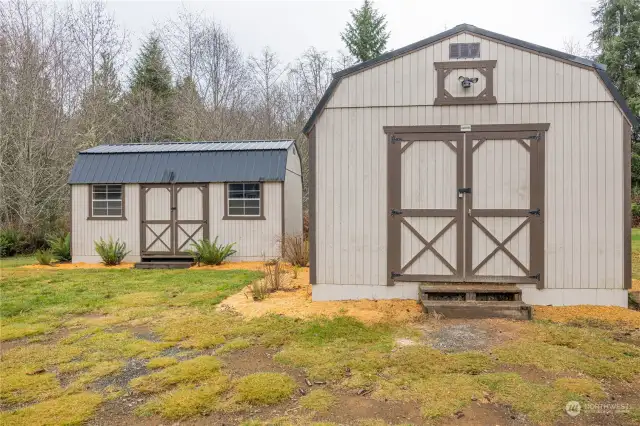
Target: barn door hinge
point(535, 137)
point(535, 277)
point(535, 212)
point(395, 212)
point(395, 139)
point(395, 275)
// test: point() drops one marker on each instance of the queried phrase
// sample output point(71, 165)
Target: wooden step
point(163, 265)
point(476, 310)
point(470, 292)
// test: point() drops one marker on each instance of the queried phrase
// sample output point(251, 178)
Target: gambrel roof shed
point(162, 198)
point(476, 158)
point(599, 68)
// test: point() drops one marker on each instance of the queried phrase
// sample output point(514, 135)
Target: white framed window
point(107, 201)
point(244, 200)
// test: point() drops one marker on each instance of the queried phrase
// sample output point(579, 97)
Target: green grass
point(37, 301)
point(83, 326)
point(635, 253)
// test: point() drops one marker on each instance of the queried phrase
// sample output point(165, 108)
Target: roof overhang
point(599, 68)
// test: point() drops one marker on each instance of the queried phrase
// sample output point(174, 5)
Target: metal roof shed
point(159, 198)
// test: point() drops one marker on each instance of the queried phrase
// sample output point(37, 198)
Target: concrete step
point(475, 309)
point(163, 265)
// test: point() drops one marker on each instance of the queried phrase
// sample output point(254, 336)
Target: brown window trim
point(92, 217)
point(226, 204)
point(486, 97)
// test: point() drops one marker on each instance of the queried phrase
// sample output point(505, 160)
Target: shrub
point(259, 290)
point(11, 242)
point(273, 275)
point(295, 250)
point(60, 247)
point(111, 252)
point(44, 257)
point(635, 214)
point(210, 253)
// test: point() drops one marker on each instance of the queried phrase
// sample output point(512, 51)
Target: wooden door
point(503, 230)
point(192, 207)
point(157, 234)
point(425, 207)
point(173, 217)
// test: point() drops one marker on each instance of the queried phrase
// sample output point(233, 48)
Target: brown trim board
point(396, 214)
point(626, 167)
point(90, 216)
point(444, 69)
point(312, 206)
point(474, 128)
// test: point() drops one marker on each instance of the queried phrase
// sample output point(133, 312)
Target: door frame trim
point(394, 197)
point(173, 221)
point(394, 201)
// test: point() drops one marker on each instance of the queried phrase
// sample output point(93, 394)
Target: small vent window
point(464, 50)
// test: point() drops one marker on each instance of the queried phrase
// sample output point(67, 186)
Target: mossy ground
point(82, 331)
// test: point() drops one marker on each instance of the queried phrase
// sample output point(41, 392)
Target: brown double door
point(173, 217)
point(466, 207)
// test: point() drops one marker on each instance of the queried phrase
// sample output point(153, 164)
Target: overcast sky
point(289, 27)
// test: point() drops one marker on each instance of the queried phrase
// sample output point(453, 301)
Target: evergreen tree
point(617, 42)
point(366, 36)
point(151, 71)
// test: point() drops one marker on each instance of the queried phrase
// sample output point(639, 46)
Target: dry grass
point(188, 400)
point(264, 388)
point(295, 301)
point(318, 400)
point(161, 362)
point(66, 410)
point(190, 371)
point(562, 348)
point(608, 314)
point(234, 345)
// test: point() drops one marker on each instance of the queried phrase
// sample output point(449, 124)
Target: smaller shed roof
point(183, 162)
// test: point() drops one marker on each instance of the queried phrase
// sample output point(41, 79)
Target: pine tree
point(151, 71)
point(617, 42)
point(366, 36)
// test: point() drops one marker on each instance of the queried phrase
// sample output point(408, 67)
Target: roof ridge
point(599, 68)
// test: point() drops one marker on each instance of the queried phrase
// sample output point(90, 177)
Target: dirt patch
point(257, 359)
point(479, 413)
point(349, 409)
point(295, 301)
point(79, 265)
point(609, 314)
point(459, 338)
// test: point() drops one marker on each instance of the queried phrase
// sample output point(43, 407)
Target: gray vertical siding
point(584, 189)
point(255, 239)
point(84, 232)
point(293, 194)
point(583, 166)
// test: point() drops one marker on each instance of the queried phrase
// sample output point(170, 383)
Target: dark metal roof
point(182, 162)
point(600, 69)
point(191, 146)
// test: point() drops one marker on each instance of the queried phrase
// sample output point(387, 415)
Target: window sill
point(244, 218)
point(106, 218)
